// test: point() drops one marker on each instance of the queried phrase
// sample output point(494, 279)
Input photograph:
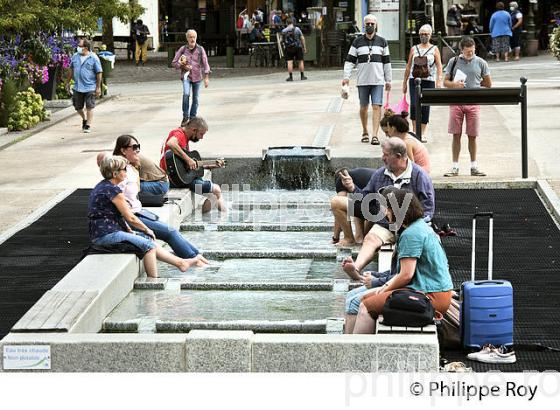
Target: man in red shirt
point(193, 130)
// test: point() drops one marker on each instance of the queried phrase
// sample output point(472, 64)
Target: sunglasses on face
point(370, 24)
point(424, 35)
point(135, 147)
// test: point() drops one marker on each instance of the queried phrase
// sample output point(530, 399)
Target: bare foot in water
point(202, 258)
point(185, 264)
point(345, 243)
point(201, 261)
point(349, 267)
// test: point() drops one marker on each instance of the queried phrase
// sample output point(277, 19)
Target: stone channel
point(273, 269)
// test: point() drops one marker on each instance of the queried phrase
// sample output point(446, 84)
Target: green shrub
point(61, 90)
point(554, 44)
point(7, 100)
point(27, 111)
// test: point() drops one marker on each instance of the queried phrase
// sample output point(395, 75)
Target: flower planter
point(48, 90)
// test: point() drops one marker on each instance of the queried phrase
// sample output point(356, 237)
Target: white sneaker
point(491, 354)
point(453, 173)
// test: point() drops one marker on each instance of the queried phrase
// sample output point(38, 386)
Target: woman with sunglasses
point(128, 147)
point(108, 207)
point(435, 78)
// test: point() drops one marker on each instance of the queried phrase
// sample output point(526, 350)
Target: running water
point(297, 167)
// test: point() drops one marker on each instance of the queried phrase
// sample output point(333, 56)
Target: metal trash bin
point(107, 60)
point(107, 67)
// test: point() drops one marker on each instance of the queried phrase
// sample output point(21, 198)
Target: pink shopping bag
point(398, 108)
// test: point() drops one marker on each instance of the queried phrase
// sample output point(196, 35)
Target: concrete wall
point(253, 172)
point(234, 351)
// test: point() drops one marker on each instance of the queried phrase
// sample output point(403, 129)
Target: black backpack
point(141, 37)
point(290, 42)
point(407, 307)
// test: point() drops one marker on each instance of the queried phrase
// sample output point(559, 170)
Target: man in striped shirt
point(370, 53)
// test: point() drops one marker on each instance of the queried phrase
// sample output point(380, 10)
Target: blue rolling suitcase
point(486, 314)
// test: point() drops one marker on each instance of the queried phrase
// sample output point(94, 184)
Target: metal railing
point(479, 96)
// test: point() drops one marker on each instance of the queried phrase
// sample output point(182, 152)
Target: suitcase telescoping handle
point(490, 217)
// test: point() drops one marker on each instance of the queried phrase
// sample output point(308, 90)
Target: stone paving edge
point(55, 119)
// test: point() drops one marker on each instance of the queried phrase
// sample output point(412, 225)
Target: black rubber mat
point(36, 258)
point(526, 252)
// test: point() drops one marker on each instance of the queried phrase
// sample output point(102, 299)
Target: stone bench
point(94, 287)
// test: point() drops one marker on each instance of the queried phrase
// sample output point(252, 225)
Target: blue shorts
point(355, 296)
point(370, 92)
point(206, 186)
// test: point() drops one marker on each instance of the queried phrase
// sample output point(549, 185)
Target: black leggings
point(425, 108)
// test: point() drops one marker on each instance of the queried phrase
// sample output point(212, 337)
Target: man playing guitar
point(193, 130)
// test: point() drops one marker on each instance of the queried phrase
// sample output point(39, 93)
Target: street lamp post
point(532, 42)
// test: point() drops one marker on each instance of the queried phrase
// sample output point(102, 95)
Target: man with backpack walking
point(294, 48)
point(141, 33)
point(192, 60)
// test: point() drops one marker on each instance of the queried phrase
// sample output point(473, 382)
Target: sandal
point(365, 138)
point(374, 140)
point(335, 240)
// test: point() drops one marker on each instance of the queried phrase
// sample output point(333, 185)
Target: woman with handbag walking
point(424, 62)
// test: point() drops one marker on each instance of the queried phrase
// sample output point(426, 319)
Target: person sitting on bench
point(128, 147)
point(110, 219)
point(361, 177)
point(192, 130)
point(399, 171)
point(421, 262)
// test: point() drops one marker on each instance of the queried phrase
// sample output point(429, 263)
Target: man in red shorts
point(466, 71)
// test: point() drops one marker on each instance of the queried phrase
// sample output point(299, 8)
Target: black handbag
point(149, 199)
point(407, 307)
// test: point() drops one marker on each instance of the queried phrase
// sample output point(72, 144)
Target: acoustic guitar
point(180, 175)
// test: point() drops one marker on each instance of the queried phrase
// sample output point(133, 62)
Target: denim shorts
point(80, 99)
point(139, 240)
point(355, 296)
point(206, 186)
point(370, 92)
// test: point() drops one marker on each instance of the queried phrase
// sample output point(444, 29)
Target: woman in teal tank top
point(422, 264)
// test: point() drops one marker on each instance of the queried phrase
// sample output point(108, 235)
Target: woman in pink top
point(397, 126)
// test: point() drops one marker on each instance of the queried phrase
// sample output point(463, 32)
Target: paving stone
point(218, 351)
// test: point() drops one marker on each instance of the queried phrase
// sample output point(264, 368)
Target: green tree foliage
point(27, 17)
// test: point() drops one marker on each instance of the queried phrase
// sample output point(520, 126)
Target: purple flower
point(45, 73)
